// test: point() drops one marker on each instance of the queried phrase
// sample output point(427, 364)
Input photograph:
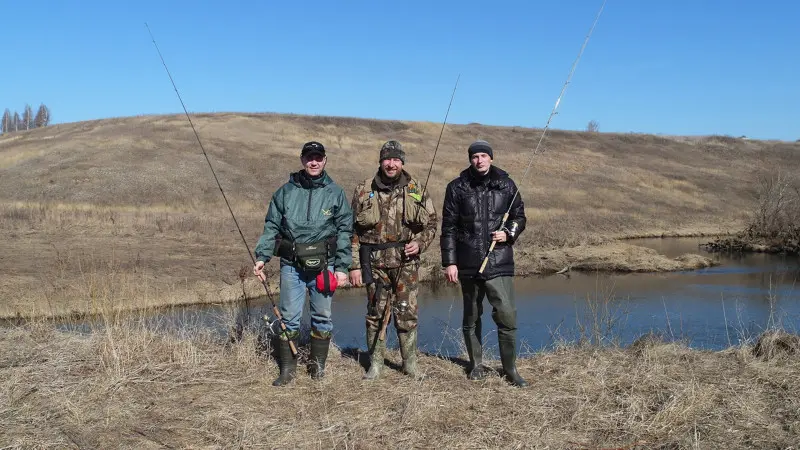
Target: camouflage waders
point(403, 308)
point(388, 214)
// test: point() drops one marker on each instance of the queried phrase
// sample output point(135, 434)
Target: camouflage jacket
point(394, 213)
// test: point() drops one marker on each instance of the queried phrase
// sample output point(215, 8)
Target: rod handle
point(491, 247)
point(486, 259)
point(387, 315)
point(283, 328)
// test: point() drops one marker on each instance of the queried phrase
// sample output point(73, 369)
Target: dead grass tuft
point(776, 344)
point(647, 341)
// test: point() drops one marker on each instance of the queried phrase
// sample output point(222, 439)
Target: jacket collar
point(494, 176)
point(301, 179)
point(402, 180)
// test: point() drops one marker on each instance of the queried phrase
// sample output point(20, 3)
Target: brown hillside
point(135, 195)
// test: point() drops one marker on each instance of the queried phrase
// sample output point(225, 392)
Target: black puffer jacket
point(473, 208)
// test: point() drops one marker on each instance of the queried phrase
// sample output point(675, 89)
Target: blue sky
point(684, 67)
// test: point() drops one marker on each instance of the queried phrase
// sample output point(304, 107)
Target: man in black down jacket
point(474, 205)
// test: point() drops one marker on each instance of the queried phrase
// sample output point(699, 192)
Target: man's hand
point(412, 248)
point(499, 236)
point(355, 277)
point(451, 273)
point(341, 278)
point(258, 270)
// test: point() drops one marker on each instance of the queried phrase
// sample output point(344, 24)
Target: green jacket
point(308, 210)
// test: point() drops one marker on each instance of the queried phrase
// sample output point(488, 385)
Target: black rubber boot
point(319, 354)
point(508, 357)
point(475, 353)
point(287, 363)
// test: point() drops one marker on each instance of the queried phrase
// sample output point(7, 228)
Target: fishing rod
point(387, 311)
point(544, 131)
point(244, 241)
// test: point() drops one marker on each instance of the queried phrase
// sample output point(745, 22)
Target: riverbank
point(131, 387)
point(111, 274)
point(744, 244)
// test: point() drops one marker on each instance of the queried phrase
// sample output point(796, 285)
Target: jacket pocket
point(466, 256)
point(369, 213)
point(504, 255)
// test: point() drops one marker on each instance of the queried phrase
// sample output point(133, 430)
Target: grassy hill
point(133, 200)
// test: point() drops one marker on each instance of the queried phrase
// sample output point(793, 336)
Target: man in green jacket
point(309, 224)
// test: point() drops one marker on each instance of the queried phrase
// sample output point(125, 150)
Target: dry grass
point(135, 195)
point(128, 386)
point(616, 256)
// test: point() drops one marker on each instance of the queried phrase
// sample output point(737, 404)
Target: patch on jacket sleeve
point(414, 192)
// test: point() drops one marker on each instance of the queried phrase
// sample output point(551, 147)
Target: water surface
point(708, 308)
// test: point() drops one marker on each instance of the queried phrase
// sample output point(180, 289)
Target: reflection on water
point(709, 308)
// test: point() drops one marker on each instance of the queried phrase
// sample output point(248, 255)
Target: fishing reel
point(402, 306)
point(273, 326)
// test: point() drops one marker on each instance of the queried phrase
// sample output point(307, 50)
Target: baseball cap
point(312, 147)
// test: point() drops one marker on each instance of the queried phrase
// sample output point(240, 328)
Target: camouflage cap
point(393, 149)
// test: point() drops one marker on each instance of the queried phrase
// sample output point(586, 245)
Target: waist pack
point(310, 257)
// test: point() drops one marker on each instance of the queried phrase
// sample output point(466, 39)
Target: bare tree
point(777, 210)
point(27, 118)
point(42, 118)
point(6, 123)
point(15, 122)
point(592, 126)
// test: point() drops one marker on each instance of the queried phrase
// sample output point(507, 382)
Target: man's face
point(391, 167)
point(481, 162)
point(314, 164)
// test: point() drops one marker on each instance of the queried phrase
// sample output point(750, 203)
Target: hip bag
point(310, 257)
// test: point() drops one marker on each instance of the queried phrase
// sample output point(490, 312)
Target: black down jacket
point(473, 208)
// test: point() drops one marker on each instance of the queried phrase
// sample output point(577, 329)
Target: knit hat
point(393, 149)
point(480, 147)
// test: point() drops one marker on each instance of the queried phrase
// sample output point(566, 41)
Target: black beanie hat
point(480, 147)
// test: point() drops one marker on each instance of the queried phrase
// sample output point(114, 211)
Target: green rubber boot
point(376, 355)
point(508, 357)
point(408, 349)
point(319, 354)
point(475, 353)
point(287, 363)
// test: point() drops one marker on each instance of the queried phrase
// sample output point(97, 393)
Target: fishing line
point(213, 172)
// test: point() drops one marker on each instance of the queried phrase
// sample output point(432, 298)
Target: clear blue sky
point(671, 67)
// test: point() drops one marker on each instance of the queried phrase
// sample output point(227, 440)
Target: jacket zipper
point(308, 210)
point(487, 233)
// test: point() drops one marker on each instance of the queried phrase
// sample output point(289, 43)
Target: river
point(711, 308)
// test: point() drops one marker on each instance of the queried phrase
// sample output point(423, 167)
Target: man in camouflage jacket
point(394, 222)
